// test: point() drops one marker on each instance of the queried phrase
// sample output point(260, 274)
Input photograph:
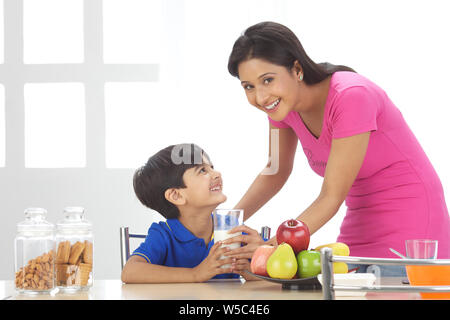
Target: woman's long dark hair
point(277, 44)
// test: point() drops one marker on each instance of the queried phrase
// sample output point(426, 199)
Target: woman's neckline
point(324, 110)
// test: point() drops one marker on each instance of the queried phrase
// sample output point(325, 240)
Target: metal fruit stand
point(329, 288)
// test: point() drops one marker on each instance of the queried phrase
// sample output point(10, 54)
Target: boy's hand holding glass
point(213, 264)
point(224, 221)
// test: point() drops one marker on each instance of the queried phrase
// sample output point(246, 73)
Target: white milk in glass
point(220, 235)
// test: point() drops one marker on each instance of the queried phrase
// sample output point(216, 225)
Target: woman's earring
point(300, 77)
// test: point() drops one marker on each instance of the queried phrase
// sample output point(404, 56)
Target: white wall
point(401, 45)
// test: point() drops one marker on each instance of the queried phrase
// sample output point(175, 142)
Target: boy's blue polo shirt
point(170, 244)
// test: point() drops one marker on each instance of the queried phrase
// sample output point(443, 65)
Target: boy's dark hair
point(163, 171)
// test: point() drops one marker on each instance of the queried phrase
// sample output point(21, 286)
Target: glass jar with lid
point(34, 250)
point(74, 253)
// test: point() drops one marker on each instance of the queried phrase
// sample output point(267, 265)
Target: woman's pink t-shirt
point(397, 194)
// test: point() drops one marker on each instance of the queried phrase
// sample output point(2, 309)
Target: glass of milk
point(224, 221)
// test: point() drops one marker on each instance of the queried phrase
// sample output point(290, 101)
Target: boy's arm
point(138, 270)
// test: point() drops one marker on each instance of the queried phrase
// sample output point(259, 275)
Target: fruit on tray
point(258, 265)
point(308, 263)
point(340, 267)
point(295, 233)
point(338, 249)
point(282, 263)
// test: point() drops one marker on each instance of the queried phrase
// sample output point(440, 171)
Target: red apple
point(295, 233)
point(259, 259)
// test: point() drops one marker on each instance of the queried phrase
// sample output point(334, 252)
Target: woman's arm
point(275, 174)
point(344, 162)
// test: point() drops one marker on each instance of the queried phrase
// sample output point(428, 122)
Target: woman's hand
point(252, 240)
point(239, 267)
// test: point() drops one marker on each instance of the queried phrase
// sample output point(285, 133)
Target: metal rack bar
point(389, 261)
point(328, 287)
point(386, 288)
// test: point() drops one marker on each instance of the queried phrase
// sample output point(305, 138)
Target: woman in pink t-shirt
point(352, 135)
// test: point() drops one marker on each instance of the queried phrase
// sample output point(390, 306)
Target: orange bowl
point(430, 276)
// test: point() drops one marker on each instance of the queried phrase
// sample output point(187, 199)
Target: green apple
point(308, 263)
point(282, 263)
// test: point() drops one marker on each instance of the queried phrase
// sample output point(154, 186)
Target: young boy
point(181, 184)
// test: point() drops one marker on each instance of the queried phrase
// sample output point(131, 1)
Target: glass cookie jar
point(34, 250)
point(74, 253)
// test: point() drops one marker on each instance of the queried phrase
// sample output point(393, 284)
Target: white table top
point(213, 290)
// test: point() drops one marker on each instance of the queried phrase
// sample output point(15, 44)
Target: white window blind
point(135, 116)
point(2, 125)
point(55, 125)
point(2, 34)
point(132, 31)
point(53, 31)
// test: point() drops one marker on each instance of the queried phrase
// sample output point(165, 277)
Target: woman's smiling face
point(270, 87)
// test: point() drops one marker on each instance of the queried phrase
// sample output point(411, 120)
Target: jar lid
point(35, 220)
point(74, 220)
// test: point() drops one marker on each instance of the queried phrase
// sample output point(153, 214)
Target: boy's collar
point(179, 230)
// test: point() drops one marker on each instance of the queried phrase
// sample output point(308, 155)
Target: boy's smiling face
point(203, 186)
